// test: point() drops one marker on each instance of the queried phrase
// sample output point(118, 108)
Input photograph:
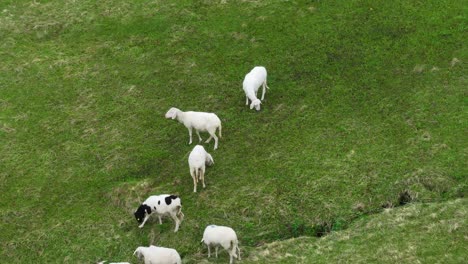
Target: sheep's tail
point(220, 130)
point(266, 84)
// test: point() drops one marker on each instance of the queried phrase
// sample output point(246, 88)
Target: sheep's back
point(162, 255)
point(255, 78)
point(212, 234)
point(203, 121)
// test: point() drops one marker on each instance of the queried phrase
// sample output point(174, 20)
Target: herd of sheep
point(170, 205)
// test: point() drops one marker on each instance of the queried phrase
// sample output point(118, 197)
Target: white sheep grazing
point(221, 236)
point(158, 255)
point(200, 121)
point(198, 159)
point(253, 80)
point(160, 205)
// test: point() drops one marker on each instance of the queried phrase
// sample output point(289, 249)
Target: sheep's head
point(209, 160)
point(172, 113)
point(255, 103)
point(140, 213)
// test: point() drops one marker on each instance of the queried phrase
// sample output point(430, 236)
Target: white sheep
point(253, 80)
point(221, 236)
point(161, 205)
point(158, 255)
point(200, 121)
point(198, 159)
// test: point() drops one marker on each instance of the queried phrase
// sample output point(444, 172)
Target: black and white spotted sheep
point(160, 205)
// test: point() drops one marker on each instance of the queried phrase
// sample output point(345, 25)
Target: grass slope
point(367, 99)
point(418, 233)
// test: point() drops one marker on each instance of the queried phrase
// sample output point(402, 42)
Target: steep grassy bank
point(425, 233)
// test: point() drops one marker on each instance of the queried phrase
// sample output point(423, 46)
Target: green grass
point(426, 233)
point(365, 103)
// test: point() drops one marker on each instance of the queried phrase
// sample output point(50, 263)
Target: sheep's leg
point(212, 134)
point(160, 221)
point(176, 220)
point(202, 172)
point(216, 251)
point(194, 184)
point(264, 90)
point(209, 139)
point(193, 173)
point(246, 100)
point(190, 135)
point(238, 251)
point(180, 216)
point(233, 250)
point(144, 221)
point(198, 133)
point(209, 251)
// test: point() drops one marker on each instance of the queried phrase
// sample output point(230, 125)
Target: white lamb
point(200, 121)
point(253, 80)
point(161, 205)
point(221, 236)
point(158, 255)
point(198, 159)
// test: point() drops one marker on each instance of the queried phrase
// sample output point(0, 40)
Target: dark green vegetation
point(367, 100)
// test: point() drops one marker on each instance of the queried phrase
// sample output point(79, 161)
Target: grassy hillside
point(367, 100)
point(419, 233)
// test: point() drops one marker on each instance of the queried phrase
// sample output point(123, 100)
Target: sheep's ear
point(148, 209)
point(251, 105)
point(174, 115)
